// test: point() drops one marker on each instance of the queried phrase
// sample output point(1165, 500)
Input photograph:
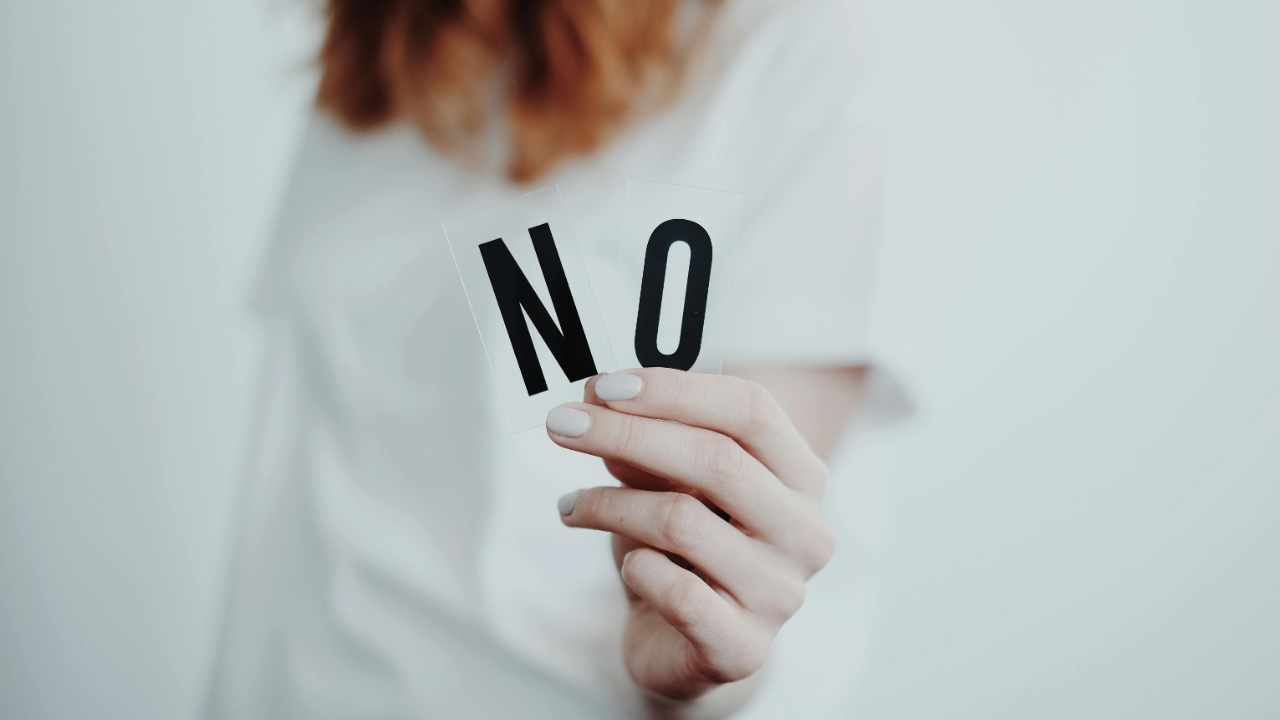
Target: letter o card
point(532, 303)
point(675, 271)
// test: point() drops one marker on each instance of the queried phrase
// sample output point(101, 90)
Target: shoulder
point(791, 85)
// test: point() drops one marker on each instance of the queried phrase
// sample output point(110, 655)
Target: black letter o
point(695, 297)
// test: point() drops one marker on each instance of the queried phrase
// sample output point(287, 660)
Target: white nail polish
point(567, 501)
point(618, 386)
point(567, 421)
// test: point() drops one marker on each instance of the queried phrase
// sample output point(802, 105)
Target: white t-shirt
point(400, 553)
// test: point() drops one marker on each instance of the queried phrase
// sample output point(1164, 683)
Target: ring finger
point(679, 524)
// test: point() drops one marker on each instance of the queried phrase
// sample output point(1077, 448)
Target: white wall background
point(1088, 518)
point(143, 145)
point(1085, 204)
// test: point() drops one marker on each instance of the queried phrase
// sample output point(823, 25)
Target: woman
point(399, 555)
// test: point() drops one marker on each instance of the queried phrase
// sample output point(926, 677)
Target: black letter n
point(513, 292)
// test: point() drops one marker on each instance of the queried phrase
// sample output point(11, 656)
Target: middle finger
point(693, 457)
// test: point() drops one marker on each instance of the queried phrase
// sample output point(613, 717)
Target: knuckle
point(596, 505)
point(722, 460)
point(756, 406)
point(628, 436)
point(790, 598)
point(752, 658)
point(737, 662)
point(682, 521)
point(820, 545)
point(684, 390)
point(686, 607)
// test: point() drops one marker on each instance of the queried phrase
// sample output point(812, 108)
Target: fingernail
point(567, 501)
point(568, 421)
point(618, 386)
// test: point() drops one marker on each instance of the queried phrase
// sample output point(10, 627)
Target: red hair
point(574, 70)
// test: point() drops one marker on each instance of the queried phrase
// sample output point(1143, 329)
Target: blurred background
point(1083, 204)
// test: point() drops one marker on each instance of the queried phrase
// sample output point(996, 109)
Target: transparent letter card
point(675, 272)
point(532, 303)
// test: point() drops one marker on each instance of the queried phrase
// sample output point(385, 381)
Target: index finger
point(742, 410)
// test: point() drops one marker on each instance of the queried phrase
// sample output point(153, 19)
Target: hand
point(717, 527)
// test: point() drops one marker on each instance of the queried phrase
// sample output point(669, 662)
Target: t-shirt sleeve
point(804, 280)
point(808, 285)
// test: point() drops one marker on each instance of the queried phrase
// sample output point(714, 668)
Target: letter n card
point(532, 303)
